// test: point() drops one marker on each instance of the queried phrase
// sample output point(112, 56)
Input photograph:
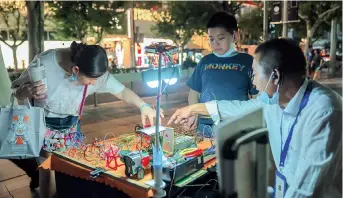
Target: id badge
point(280, 185)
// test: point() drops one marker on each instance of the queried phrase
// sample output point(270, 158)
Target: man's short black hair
point(223, 20)
point(284, 54)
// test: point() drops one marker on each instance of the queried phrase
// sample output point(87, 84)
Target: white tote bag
point(22, 130)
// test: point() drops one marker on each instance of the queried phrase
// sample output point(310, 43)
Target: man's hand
point(149, 113)
point(181, 115)
point(191, 123)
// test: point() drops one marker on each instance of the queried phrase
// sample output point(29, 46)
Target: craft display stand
point(76, 165)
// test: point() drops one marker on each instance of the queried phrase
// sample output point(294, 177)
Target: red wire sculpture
point(111, 154)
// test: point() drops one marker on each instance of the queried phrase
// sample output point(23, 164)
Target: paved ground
point(114, 117)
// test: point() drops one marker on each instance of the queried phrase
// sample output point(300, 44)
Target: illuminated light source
point(152, 84)
point(129, 33)
point(171, 81)
point(120, 10)
point(169, 75)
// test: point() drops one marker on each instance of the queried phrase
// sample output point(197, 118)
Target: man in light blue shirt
point(301, 115)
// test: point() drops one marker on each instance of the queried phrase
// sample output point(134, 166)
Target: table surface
point(64, 163)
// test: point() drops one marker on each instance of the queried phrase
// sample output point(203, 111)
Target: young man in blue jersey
point(224, 74)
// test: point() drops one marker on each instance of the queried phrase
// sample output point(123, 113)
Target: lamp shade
point(169, 75)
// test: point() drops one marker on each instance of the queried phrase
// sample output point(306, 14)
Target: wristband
point(144, 105)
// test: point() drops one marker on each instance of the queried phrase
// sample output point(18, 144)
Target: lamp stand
point(158, 184)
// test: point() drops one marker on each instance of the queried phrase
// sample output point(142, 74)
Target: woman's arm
point(109, 84)
point(24, 78)
point(147, 112)
point(130, 97)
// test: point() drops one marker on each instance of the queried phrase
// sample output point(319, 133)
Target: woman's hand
point(31, 90)
point(149, 113)
point(181, 115)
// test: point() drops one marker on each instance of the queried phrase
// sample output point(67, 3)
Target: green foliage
point(184, 18)
point(189, 63)
point(13, 17)
point(78, 19)
point(317, 16)
point(314, 16)
point(178, 23)
point(251, 26)
point(314, 11)
point(14, 75)
point(145, 4)
point(208, 8)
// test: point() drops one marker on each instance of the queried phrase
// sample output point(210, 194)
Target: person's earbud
point(280, 77)
point(275, 76)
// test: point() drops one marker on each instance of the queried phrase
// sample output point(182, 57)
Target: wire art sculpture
point(111, 155)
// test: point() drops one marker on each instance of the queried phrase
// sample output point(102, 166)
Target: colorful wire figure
point(109, 141)
point(111, 155)
point(75, 153)
point(93, 151)
point(78, 139)
point(143, 142)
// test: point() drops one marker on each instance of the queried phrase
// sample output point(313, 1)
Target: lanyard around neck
point(302, 105)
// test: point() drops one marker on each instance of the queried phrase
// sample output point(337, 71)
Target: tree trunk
point(332, 70)
point(99, 36)
point(14, 50)
point(309, 34)
point(132, 37)
point(181, 51)
point(35, 16)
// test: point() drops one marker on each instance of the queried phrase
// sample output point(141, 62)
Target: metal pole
point(159, 184)
point(166, 94)
point(95, 100)
point(132, 39)
point(284, 18)
point(265, 20)
point(158, 102)
point(131, 85)
point(333, 46)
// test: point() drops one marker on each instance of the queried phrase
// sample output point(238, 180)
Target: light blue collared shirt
point(319, 122)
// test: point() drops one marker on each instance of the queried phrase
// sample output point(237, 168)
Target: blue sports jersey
point(222, 78)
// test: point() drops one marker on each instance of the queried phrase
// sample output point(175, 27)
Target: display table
point(78, 169)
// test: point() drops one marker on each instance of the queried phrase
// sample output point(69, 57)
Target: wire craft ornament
point(111, 155)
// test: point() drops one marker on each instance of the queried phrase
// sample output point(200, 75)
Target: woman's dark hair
point(223, 20)
point(284, 54)
point(91, 59)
